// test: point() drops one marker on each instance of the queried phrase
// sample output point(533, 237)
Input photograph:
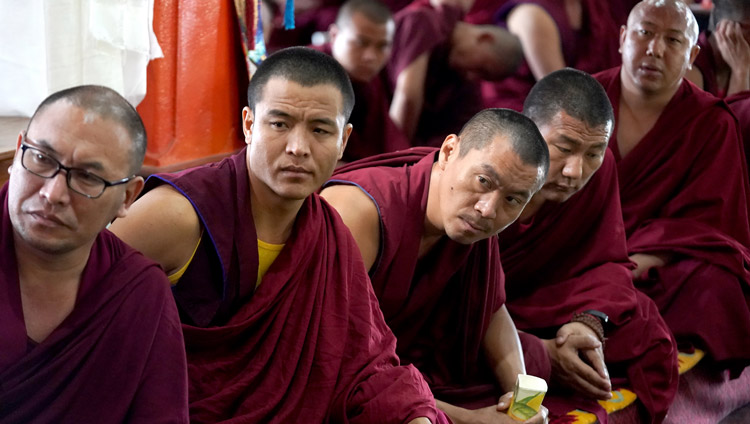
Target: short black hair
point(524, 136)
point(373, 10)
point(731, 10)
point(576, 93)
point(108, 104)
point(306, 67)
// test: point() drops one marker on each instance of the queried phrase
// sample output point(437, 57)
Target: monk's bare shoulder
point(163, 225)
point(360, 214)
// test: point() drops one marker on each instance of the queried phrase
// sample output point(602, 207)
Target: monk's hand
point(645, 261)
point(577, 359)
point(490, 415)
point(733, 47)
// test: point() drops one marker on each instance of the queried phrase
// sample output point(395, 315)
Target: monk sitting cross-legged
point(683, 187)
point(280, 321)
point(426, 220)
point(89, 332)
point(568, 278)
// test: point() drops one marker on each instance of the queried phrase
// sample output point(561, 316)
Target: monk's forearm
point(456, 414)
point(420, 420)
point(503, 348)
point(739, 81)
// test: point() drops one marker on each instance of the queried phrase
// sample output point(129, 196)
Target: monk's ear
point(132, 190)
point(248, 118)
point(693, 55)
point(19, 140)
point(333, 31)
point(345, 139)
point(449, 149)
point(623, 28)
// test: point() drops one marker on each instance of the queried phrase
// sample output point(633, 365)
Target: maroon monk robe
point(592, 48)
point(739, 102)
point(438, 306)
point(684, 191)
point(374, 131)
point(449, 99)
point(309, 344)
point(571, 257)
point(117, 358)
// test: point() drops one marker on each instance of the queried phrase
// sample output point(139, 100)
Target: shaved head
point(730, 10)
point(641, 11)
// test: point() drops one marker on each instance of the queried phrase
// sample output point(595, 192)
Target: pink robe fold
point(310, 343)
point(571, 257)
point(592, 48)
point(438, 306)
point(117, 358)
point(684, 191)
point(450, 100)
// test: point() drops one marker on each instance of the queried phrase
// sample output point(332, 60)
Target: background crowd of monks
point(441, 196)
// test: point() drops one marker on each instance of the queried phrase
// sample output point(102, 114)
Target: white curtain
point(49, 45)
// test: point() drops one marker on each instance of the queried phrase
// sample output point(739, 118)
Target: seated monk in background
point(567, 273)
point(426, 221)
point(280, 321)
point(89, 330)
point(436, 65)
point(683, 186)
point(580, 34)
point(723, 64)
point(361, 42)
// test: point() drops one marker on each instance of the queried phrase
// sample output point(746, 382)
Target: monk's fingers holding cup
point(541, 417)
point(504, 402)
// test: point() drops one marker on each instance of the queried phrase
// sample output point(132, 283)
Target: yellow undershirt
point(267, 253)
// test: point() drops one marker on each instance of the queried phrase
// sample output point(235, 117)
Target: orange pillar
point(196, 92)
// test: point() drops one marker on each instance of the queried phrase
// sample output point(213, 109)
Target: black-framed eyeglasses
point(79, 180)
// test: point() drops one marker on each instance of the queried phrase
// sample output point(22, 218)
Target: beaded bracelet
point(592, 322)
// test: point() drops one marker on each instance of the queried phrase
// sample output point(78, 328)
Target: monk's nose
point(298, 144)
point(573, 168)
point(55, 189)
point(656, 47)
point(486, 206)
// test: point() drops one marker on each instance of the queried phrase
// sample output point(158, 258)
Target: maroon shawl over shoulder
point(310, 344)
point(739, 102)
point(684, 190)
point(593, 48)
point(374, 132)
point(571, 257)
point(117, 358)
point(449, 99)
point(438, 306)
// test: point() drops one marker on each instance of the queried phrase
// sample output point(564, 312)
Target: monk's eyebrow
point(490, 170)
point(279, 113)
point(44, 145)
point(324, 121)
point(495, 176)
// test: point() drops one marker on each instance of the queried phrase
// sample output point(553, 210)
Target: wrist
point(593, 320)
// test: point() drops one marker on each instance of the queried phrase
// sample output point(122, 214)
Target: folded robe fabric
point(117, 358)
point(684, 191)
point(571, 257)
point(438, 306)
point(592, 48)
point(739, 103)
point(309, 344)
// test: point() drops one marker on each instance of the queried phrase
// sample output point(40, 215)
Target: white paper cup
point(527, 397)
